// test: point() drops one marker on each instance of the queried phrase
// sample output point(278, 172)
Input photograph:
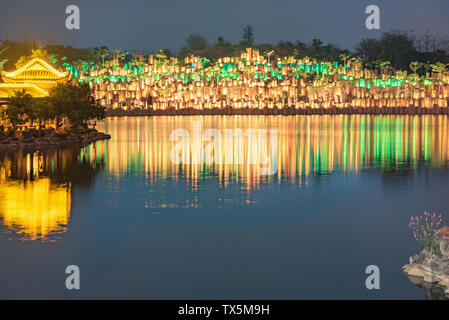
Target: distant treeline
point(397, 49)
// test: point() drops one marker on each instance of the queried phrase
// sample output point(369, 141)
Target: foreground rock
point(41, 139)
point(429, 269)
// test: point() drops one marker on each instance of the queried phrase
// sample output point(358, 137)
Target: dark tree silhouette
point(248, 34)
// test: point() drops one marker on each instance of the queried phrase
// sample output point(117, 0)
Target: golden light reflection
point(35, 188)
point(35, 209)
point(33, 203)
point(307, 145)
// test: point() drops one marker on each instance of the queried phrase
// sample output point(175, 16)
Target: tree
point(102, 53)
point(269, 53)
point(196, 42)
point(162, 58)
point(345, 56)
point(394, 46)
point(317, 46)
point(398, 48)
point(248, 34)
point(76, 103)
point(37, 53)
point(18, 106)
point(428, 39)
point(43, 110)
point(427, 66)
point(383, 65)
point(356, 62)
point(369, 49)
point(439, 68)
point(415, 66)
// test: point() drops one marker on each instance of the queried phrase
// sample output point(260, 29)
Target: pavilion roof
point(35, 71)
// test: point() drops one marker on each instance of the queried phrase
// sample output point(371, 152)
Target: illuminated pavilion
point(35, 77)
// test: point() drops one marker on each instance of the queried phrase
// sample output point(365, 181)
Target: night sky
point(156, 24)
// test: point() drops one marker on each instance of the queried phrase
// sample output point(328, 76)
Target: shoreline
point(34, 140)
point(284, 111)
point(431, 268)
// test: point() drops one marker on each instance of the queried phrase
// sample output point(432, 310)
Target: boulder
point(442, 238)
point(415, 271)
point(444, 280)
point(444, 247)
point(439, 267)
point(443, 233)
point(430, 278)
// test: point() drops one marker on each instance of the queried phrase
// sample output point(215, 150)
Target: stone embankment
point(41, 139)
point(278, 111)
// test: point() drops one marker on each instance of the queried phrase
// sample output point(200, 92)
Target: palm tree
point(439, 68)
point(415, 66)
point(269, 53)
point(383, 65)
point(427, 66)
point(103, 52)
point(357, 62)
point(161, 57)
point(345, 57)
point(118, 55)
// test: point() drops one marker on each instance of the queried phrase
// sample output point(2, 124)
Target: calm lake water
point(139, 225)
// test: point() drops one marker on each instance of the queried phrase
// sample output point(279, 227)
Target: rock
point(443, 233)
point(430, 278)
point(415, 271)
point(406, 268)
point(444, 247)
point(438, 266)
point(430, 260)
point(444, 280)
point(48, 137)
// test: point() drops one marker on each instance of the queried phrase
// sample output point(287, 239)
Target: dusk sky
point(156, 24)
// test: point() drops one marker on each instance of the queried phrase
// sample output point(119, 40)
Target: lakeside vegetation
point(72, 104)
point(67, 116)
point(386, 75)
point(395, 49)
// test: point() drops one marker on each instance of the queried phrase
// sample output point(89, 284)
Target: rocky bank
point(279, 111)
point(40, 139)
point(430, 270)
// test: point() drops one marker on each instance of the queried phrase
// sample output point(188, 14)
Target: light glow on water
point(35, 203)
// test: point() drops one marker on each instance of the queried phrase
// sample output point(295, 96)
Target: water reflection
point(36, 188)
point(126, 199)
point(307, 145)
point(432, 291)
point(35, 191)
